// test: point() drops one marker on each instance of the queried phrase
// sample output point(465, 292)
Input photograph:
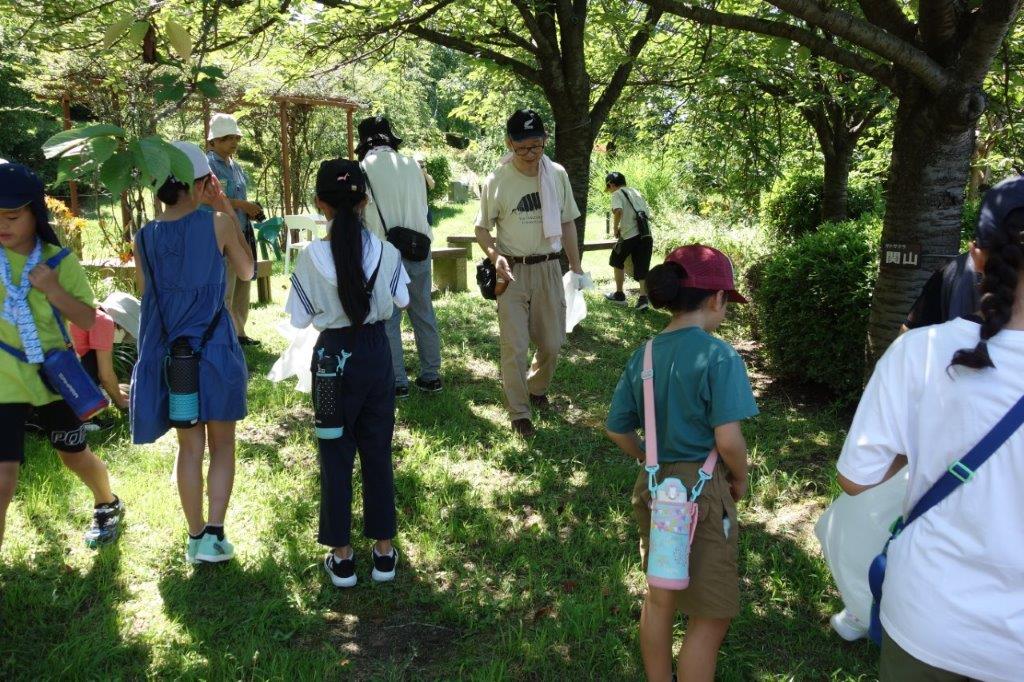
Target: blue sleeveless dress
point(183, 257)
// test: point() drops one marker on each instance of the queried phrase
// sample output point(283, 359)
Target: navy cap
point(998, 202)
point(338, 177)
point(524, 125)
point(18, 186)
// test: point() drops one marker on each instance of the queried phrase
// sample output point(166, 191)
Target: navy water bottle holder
point(181, 365)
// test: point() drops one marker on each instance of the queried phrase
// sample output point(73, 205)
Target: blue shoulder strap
point(963, 469)
point(53, 261)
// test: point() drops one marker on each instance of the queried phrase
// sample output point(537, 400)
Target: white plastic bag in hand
point(575, 304)
point(295, 360)
point(852, 532)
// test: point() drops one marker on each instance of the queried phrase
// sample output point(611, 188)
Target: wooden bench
point(264, 268)
point(603, 245)
point(463, 241)
point(450, 269)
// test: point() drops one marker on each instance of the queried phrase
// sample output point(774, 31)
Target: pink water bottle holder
point(674, 513)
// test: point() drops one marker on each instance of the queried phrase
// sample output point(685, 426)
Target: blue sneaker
point(106, 524)
point(192, 550)
point(213, 550)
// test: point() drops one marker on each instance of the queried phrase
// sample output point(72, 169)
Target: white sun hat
point(223, 124)
point(200, 164)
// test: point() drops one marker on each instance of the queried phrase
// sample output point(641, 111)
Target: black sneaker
point(616, 297)
point(248, 341)
point(341, 571)
point(642, 303)
point(401, 392)
point(384, 566)
point(106, 524)
point(428, 385)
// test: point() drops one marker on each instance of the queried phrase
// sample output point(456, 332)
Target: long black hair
point(1003, 263)
point(341, 185)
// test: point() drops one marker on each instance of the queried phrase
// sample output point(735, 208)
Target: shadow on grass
point(62, 624)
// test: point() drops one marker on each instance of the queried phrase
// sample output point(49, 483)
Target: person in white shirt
point(398, 202)
point(953, 598)
point(347, 286)
point(633, 242)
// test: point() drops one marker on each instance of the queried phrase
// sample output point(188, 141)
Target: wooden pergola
point(284, 102)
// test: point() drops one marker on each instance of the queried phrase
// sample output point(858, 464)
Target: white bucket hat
point(221, 125)
point(200, 164)
point(125, 310)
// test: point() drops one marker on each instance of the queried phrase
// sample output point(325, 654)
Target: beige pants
point(532, 309)
point(237, 296)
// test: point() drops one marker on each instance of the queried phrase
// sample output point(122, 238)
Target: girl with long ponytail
point(934, 395)
point(346, 286)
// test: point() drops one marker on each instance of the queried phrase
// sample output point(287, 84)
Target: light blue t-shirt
point(232, 179)
point(700, 382)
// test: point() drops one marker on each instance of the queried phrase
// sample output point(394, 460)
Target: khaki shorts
point(714, 590)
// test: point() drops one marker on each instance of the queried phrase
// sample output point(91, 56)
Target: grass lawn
point(519, 560)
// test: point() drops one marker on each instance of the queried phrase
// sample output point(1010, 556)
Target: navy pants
point(366, 397)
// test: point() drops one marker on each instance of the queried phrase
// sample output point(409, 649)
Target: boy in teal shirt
point(701, 394)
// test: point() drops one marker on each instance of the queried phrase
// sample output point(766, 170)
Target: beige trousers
point(532, 309)
point(237, 297)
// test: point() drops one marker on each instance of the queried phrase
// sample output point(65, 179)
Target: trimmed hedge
point(792, 207)
point(441, 171)
point(812, 302)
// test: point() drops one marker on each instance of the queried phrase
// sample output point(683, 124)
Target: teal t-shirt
point(700, 382)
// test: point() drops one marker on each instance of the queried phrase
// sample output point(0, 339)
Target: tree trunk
point(931, 155)
point(574, 142)
point(837, 178)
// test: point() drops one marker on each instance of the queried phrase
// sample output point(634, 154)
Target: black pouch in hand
point(487, 279)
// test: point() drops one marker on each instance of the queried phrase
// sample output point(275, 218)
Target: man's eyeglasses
point(526, 151)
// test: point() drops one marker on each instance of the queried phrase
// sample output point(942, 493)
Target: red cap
point(706, 268)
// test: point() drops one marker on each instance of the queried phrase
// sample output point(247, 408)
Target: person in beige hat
point(222, 145)
point(116, 317)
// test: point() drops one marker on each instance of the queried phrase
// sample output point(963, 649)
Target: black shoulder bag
point(413, 245)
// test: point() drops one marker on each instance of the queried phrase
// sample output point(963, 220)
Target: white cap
point(125, 310)
point(200, 164)
point(223, 124)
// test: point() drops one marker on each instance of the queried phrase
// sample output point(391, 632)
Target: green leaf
point(181, 167)
point(66, 169)
point(116, 30)
point(171, 93)
point(209, 88)
point(138, 31)
point(71, 140)
point(116, 173)
point(213, 72)
point(151, 157)
point(779, 48)
point(102, 148)
point(179, 39)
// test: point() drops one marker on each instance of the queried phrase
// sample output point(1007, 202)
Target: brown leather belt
point(532, 260)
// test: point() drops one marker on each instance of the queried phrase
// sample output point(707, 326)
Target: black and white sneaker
point(616, 297)
point(384, 567)
point(428, 385)
point(642, 303)
point(401, 392)
point(106, 524)
point(341, 571)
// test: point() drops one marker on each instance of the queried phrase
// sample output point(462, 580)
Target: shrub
point(441, 171)
point(744, 244)
point(812, 304)
point(654, 176)
point(792, 207)
point(968, 222)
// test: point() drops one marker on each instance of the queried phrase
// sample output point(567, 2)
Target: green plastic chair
point(269, 232)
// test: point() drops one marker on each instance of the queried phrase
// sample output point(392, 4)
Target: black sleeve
point(927, 308)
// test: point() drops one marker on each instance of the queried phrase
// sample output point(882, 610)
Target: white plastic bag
point(852, 532)
point(575, 303)
point(295, 360)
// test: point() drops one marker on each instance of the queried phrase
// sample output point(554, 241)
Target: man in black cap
point(529, 201)
point(397, 212)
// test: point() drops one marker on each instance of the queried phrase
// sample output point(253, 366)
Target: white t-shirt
point(396, 182)
point(511, 201)
point(954, 586)
point(313, 298)
point(627, 223)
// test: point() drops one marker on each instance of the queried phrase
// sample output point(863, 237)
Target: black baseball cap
point(998, 202)
point(338, 177)
point(615, 178)
point(524, 125)
point(19, 186)
point(375, 131)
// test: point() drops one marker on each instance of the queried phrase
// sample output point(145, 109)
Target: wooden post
point(65, 101)
point(351, 136)
point(285, 160)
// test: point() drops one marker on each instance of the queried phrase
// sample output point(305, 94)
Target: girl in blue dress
point(181, 258)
